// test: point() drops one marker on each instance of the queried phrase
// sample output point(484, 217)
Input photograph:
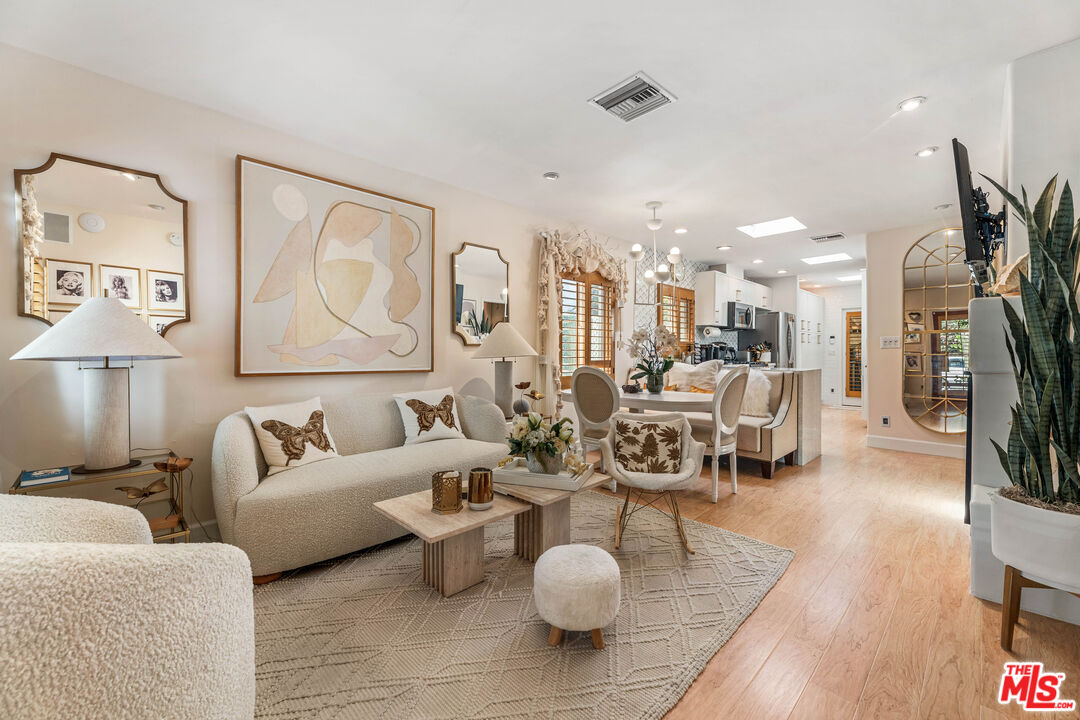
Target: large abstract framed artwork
point(331, 278)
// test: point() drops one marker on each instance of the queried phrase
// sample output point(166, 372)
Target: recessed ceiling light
point(723, 247)
point(159, 208)
point(848, 278)
point(130, 176)
point(912, 103)
point(758, 260)
point(781, 272)
point(771, 227)
point(821, 259)
point(927, 151)
point(680, 231)
point(551, 175)
point(943, 206)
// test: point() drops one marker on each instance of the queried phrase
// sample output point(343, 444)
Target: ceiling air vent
point(633, 97)
point(827, 238)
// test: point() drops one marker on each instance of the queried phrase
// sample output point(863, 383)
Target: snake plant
point(1044, 346)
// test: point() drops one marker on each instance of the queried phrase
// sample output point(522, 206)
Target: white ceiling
point(105, 191)
point(784, 108)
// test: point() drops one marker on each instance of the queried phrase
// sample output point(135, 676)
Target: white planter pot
point(1042, 544)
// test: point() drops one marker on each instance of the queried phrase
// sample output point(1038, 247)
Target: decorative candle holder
point(446, 492)
point(481, 493)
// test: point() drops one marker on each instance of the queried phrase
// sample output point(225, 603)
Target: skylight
point(821, 259)
point(771, 227)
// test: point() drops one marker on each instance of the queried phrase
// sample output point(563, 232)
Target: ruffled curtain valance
point(579, 253)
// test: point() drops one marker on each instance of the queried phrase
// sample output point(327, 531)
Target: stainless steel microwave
point(740, 316)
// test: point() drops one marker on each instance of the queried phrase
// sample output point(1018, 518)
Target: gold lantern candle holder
point(481, 493)
point(446, 492)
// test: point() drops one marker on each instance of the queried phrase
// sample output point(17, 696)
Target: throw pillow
point(704, 375)
point(292, 435)
point(649, 447)
point(756, 400)
point(677, 376)
point(429, 415)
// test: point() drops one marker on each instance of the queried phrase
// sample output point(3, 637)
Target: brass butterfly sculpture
point(293, 438)
point(137, 493)
point(426, 414)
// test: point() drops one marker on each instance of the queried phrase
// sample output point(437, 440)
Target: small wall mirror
point(89, 229)
point(480, 285)
point(937, 288)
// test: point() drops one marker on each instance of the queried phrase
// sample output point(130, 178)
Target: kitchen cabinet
point(714, 290)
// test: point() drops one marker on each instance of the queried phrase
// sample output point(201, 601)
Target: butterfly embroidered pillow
point(429, 415)
point(292, 435)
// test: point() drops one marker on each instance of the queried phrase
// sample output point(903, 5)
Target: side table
point(170, 526)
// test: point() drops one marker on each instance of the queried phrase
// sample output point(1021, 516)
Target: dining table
point(667, 401)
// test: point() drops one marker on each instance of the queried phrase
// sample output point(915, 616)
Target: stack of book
point(33, 478)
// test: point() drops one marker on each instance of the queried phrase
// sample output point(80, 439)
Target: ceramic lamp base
point(106, 433)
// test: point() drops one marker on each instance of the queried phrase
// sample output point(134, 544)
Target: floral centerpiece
point(654, 350)
point(544, 445)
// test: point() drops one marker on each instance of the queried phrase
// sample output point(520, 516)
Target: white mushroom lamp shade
point(102, 330)
point(504, 342)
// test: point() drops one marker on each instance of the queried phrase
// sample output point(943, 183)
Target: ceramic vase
point(544, 463)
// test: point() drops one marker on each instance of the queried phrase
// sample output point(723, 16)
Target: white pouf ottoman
point(576, 587)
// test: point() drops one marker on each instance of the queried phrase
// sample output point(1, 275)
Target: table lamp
point(504, 342)
point(102, 330)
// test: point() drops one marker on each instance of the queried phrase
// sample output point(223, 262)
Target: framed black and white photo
point(914, 316)
point(160, 322)
point(68, 283)
point(913, 327)
point(122, 283)
point(912, 338)
point(165, 291)
point(912, 363)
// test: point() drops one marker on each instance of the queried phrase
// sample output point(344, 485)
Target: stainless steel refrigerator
point(778, 329)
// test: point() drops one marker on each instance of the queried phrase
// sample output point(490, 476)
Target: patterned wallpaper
point(645, 315)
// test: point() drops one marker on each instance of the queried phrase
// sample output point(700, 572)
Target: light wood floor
point(873, 618)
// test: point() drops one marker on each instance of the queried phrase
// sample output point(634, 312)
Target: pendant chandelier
point(660, 273)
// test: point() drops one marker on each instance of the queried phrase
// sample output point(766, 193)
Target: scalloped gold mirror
point(480, 288)
point(90, 229)
point(937, 288)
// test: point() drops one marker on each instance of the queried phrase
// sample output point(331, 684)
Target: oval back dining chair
point(596, 399)
point(722, 437)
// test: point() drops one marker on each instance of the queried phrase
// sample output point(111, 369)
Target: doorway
point(852, 358)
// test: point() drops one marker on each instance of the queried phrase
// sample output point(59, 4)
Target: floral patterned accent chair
point(652, 455)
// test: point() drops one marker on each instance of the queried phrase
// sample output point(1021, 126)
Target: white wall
point(178, 403)
point(837, 300)
point(1042, 104)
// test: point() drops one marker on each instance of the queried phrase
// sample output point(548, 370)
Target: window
point(949, 348)
point(676, 313)
point(587, 324)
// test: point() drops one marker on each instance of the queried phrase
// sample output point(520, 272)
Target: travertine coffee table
point(547, 522)
point(453, 544)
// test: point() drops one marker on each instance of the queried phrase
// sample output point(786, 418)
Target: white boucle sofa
point(321, 510)
point(98, 623)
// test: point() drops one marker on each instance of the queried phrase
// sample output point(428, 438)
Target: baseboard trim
point(923, 447)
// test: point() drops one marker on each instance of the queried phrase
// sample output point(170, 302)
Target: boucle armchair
point(100, 623)
point(662, 485)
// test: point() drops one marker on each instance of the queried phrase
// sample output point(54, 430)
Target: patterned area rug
point(363, 637)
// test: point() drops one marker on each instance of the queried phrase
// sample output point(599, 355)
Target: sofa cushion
point(776, 378)
point(363, 423)
point(292, 435)
point(756, 400)
point(429, 415)
point(750, 432)
point(324, 509)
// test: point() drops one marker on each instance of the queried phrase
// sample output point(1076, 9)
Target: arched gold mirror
point(937, 288)
point(89, 229)
point(480, 283)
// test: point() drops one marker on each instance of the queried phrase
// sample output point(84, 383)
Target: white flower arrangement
point(531, 433)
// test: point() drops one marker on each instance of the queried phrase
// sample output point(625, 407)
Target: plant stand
point(1014, 584)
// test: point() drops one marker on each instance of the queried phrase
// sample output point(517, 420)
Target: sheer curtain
point(581, 252)
point(33, 234)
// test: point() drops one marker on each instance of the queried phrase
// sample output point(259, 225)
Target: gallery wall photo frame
point(122, 283)
point(166, 291)
point(332, 278)
point(68, 282)
point(160, 323)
